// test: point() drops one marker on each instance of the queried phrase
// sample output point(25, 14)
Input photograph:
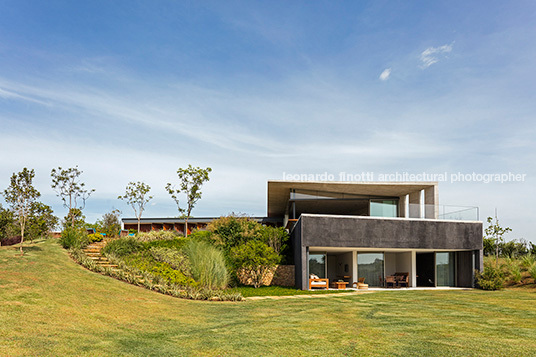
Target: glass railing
point(447, 212)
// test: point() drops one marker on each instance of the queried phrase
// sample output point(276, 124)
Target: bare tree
point(67, 184)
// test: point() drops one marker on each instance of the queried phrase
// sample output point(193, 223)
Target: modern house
point(346, 231)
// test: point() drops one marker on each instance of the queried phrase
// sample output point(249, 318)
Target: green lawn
point(51, 306)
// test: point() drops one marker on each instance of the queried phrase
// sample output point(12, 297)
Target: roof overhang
point(279, 191)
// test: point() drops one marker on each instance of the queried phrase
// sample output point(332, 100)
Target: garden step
point(108, 265)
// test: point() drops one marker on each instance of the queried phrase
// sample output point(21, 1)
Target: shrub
point(207, 265)
point(95, 237)
point(156, 235)
point(178, 243)
point(532, 271)
point(123, 246)
point(10, 240)
point(490, 279)
point(159, 270)
point(256, 259)
point(515, 274)
point(73, 238)
point(176, 259)
point(527, 261)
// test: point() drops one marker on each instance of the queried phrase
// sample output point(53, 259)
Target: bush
point(490, 279)
point(177, 260)
point(532, 271)
point(73, 238)
point(95, 237)
point(515, 274)
point(207, 265)
point(527, 261)
point(256, 259)
point(10, 240)
point(123, 246)
point(156, 235)
point(159, 270)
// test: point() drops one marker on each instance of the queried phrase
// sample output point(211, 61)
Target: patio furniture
point(339, 284)
point(402, 279)
point(316, 282)
point(360, 284)
point(390, 279)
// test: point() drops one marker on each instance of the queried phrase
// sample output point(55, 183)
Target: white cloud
point(432, 55)
point(385, 74)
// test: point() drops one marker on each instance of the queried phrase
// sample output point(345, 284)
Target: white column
point(354, 267)
point(413, 273)
point(415, 204)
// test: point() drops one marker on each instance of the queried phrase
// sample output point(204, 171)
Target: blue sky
point(133, 90)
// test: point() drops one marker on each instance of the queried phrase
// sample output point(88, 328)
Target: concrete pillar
point(415, 204)
point(402, 201)
point(413, 273)
point(354, 267)
point(431, 202)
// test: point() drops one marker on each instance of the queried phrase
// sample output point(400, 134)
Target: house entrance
point(426, 269)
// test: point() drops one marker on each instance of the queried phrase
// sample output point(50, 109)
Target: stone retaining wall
point(281, 275)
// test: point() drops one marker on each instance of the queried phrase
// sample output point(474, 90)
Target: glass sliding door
point(317, 264)
point(445, 269)
point(370, 267)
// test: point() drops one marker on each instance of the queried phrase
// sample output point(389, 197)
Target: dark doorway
point(425, 269)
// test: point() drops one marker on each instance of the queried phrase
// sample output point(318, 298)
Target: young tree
point(41, 220)
point(20, 195)
point(67, 184)
point(136, 195)
point(495, 232)
point(191, 180)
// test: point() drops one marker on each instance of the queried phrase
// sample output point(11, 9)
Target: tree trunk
point(21, 238)
point(186, 227)
point(138, 224)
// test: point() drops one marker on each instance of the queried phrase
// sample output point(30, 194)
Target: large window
point(445, 264)
point(370, 267)
point(384, 208)
point(317, 265)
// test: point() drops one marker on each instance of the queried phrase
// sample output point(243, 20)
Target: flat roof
point(172, 220)
point(279, 190)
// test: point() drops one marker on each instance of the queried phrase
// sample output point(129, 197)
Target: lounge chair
point(316, 282)
point(360, 284)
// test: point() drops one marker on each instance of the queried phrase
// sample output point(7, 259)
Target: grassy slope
point(50, 305)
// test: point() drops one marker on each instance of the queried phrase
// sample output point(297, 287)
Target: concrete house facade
point(344, 231)
point(347, 231)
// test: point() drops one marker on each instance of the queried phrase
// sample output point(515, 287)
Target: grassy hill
point(51, 306)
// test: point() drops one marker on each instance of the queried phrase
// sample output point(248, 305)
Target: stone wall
point(281, 275)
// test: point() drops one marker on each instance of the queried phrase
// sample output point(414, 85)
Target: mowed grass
point(51, 306)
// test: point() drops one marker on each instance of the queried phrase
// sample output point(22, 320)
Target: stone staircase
point(93, 251)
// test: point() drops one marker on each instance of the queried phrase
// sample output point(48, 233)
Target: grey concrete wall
point(364, 232)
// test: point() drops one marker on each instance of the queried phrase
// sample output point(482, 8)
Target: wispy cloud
point(385, 74)
point(432, 55)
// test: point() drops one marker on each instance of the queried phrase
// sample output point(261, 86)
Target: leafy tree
point(136, 195)
point(191, 181)
point(256, 258)
point(21, 195)
point(41, 220)
point(495, 232)
point(67, 184)
point(110, 224)
point(6, 223)
point(74, 219)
